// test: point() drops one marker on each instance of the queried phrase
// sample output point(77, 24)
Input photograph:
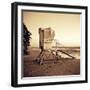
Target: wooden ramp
point(43, 56)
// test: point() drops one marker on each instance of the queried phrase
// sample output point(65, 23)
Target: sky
point(65, 25)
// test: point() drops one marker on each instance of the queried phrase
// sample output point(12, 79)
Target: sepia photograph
point(51, 44)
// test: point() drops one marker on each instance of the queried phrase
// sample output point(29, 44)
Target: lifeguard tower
point(46, 37)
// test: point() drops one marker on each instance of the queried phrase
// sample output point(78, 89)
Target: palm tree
point(26, 39)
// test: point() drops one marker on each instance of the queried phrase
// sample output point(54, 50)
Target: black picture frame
point(14, 43)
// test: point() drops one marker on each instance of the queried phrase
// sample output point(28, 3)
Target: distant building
point(46, 36)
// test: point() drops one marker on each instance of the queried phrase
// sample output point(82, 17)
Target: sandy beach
point(49, 67)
